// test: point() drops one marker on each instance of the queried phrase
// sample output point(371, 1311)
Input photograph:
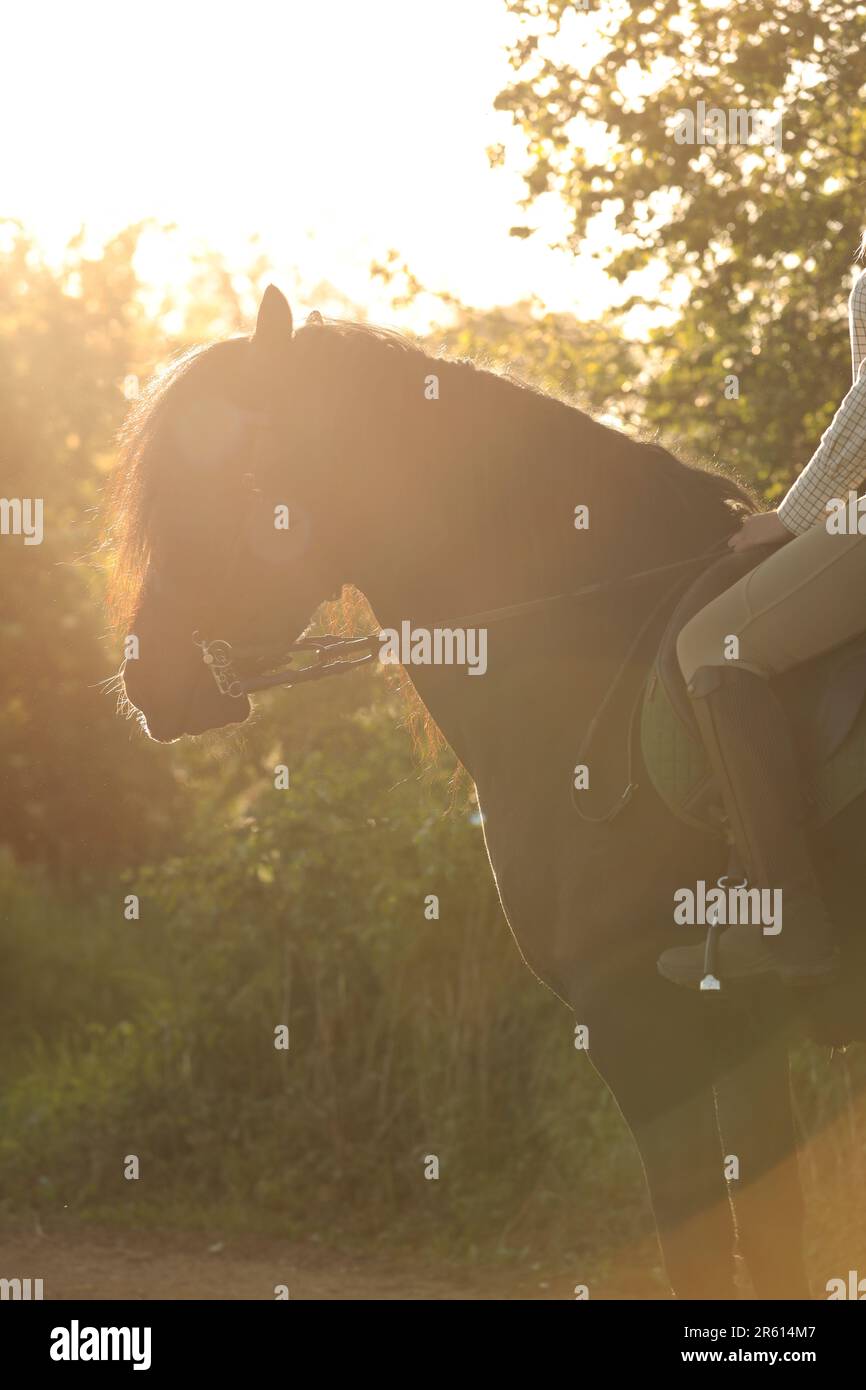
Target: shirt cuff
point(795, 515)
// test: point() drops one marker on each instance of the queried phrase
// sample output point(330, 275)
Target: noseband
point(240, 671)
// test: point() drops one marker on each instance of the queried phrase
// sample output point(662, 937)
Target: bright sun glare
point(330, 132)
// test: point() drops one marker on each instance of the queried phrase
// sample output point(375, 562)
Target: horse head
point(222, 517)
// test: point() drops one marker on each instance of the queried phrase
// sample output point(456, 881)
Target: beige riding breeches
point(806, 598)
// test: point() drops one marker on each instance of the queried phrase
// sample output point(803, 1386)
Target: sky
point(332, 130)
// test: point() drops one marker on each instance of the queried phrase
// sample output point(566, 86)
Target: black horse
point(438, 489)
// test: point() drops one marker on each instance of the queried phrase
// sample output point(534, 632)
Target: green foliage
point(762, 240)
point(408, 1036)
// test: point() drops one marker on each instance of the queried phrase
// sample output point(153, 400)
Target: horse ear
point(274, 322)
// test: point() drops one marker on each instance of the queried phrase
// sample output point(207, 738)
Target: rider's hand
point(763, 528)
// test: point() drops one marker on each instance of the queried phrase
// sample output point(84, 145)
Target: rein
point(243, 670)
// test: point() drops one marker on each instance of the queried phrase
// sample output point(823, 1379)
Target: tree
point(762, 233)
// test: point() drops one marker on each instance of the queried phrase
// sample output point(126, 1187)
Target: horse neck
point(493, 534)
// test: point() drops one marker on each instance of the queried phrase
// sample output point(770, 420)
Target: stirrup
point(711, 978)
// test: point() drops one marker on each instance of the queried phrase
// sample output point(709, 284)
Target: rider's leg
point(806, 598)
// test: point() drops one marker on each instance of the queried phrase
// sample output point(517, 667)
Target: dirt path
point(104, 1264)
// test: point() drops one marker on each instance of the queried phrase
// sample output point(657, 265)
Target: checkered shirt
point(839, 462)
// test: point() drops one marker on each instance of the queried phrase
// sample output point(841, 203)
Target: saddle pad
point(679, 771)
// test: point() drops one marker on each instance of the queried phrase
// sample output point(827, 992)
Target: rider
point(806, 598)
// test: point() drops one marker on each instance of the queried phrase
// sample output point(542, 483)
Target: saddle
point(825, 700)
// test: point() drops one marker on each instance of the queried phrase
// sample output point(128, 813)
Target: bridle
point(241, 670)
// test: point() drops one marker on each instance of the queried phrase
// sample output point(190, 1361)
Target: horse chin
point(200, 709)
point(162, 730)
